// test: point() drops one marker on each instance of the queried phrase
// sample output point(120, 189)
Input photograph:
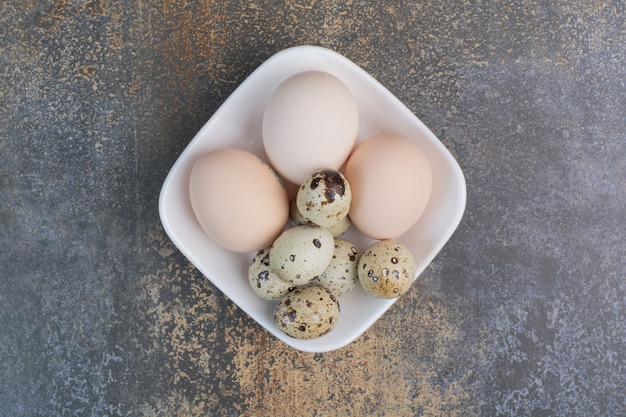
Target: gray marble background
point(522, 313)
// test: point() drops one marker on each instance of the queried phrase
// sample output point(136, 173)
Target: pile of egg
point(380, 186)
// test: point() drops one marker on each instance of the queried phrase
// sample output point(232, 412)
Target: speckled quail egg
point(296, 218)
point(341, 275)
point(307, 312)
point(341, 227)
point(263, 280)
point(386, 269)
point(301, 253)
point(324, 198)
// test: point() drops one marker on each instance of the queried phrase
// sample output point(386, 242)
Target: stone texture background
point(522, 313)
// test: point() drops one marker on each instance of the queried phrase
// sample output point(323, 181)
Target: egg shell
point(341, 227)
point(297, 219)
point(264, 281)
point(238, 199)
point(386, 269)
point(310, 122)
point(307, 312)
point(324, 198)
point(341, 276)
point(391, 181)
point(301, 253)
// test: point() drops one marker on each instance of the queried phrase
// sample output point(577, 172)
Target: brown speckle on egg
point(291, 315)
point(334, 184)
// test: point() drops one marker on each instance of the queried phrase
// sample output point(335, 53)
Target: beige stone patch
point(372, 376)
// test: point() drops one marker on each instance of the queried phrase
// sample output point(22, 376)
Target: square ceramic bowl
point(238, 123)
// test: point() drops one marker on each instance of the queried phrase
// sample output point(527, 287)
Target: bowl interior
point(238, 123)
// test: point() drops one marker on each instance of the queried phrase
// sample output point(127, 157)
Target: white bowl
point(238, 123)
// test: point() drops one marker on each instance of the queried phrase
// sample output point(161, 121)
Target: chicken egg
point(238, 199)
point(391, 181)
point(310, 122)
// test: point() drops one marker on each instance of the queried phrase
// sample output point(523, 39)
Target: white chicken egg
point(310, 122)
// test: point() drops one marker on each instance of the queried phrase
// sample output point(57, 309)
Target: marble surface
point(522, 313)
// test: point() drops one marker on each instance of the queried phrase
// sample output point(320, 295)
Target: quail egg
point(307, 312)
point(301, 253)
point(386, 269)
point(324, 198)
point(341, 275)
point(341, 227)
point(297, 219)
point(263, 280)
